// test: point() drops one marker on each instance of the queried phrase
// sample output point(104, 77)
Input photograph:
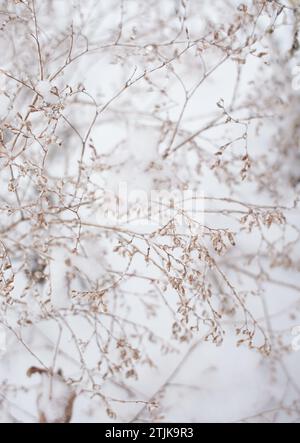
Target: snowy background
point(195, 318)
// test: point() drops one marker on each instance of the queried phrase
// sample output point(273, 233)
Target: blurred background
point(195, 317)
